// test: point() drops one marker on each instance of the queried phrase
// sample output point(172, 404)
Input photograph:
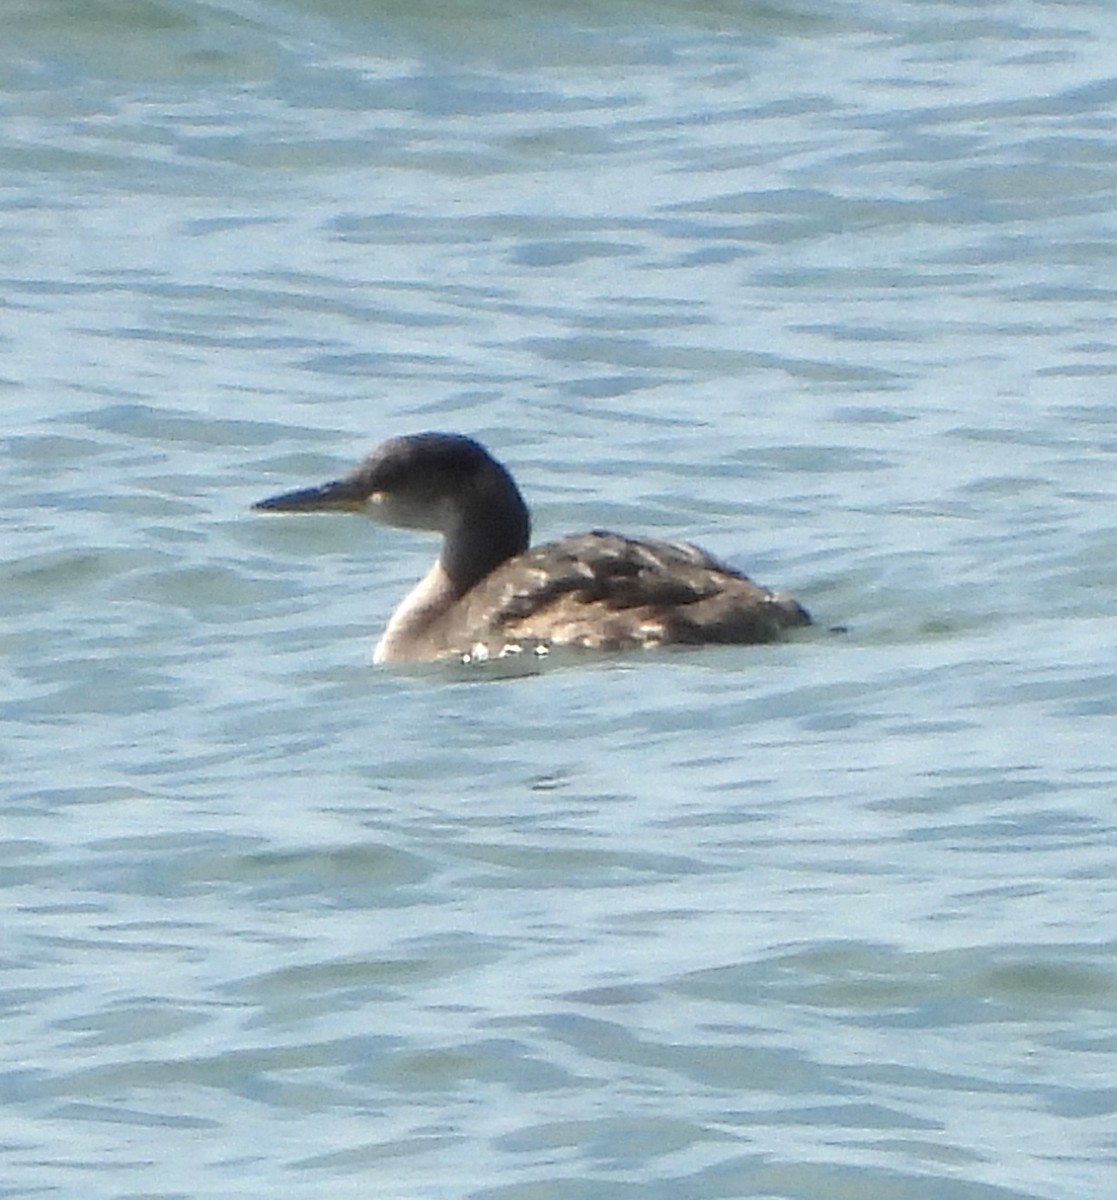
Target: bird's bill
point(342, 495)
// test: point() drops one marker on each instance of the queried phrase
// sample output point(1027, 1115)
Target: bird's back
point(602, 591)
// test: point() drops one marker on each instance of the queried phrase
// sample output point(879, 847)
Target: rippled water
point(827, 288)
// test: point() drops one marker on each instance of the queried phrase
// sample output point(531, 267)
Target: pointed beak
point(342, 495)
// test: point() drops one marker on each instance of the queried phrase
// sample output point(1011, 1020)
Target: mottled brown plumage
point(602, 591)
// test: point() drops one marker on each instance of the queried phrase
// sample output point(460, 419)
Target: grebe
point(489, 594)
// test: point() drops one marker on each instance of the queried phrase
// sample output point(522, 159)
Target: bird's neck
point(491, 526)
point(474, 547)
point(428, 600)
point(491, 529)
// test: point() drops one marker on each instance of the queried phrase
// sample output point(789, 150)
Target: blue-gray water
point(829, 288)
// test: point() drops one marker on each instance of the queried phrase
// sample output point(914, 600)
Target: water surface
point(826, 288)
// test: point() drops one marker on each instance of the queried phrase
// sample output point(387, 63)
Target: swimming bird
point(489, 594)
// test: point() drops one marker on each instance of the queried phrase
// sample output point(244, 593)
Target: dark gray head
point(442, 482)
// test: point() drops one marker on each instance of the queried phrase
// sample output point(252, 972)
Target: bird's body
point(488, 593)
point(600, 591)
